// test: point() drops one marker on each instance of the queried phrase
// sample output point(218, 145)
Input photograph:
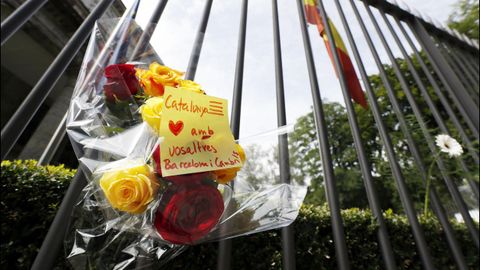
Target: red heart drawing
point(175, 128)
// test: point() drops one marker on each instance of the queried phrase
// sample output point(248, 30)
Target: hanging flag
point(313, 17)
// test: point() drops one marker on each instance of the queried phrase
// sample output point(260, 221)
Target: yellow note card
point(197, 137)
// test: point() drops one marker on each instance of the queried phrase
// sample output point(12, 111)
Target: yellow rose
point(191, 85)
point(130, 189)
point(152, 112)
point(156, 78)
point(226, 175)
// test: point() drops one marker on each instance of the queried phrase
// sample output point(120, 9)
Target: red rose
point(121, 83)
point(188, 212)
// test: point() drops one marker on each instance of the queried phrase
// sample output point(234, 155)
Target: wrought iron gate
point(451, 57)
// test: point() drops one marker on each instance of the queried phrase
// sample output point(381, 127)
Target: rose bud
point(121, 83)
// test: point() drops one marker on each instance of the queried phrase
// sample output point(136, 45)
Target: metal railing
point(449, 56)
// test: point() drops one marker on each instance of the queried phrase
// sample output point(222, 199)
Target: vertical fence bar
point(47, 254)
point(396, 171)
point(429, 140)
point(149, 29)
point(474, 55)
point(197, 47)
point(471, 62)
point(20, 119)
point(123, 42)
point(453, 244)
point(288, 240)
point(470, 57)
point(467, 72)
point(382, 234)
point(457, 92)
point(459, 71)
point(401, 185)
point(462, 73)
point(19, 17)
point(461, 62)
point(471, 65)
point(466, 62)
point(437, 90)
point(225, 246)
point(239, 69)
point(341, 250)
point(433, 109)
point(446, 105)
point(54, 143)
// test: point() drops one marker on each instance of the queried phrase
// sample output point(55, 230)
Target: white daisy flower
point(448, 145)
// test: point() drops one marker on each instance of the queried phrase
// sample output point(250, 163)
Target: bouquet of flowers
point(160, 160)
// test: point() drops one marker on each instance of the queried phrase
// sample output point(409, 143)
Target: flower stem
point(429, 181)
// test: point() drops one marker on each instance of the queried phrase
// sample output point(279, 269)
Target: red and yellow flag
point(354, 88)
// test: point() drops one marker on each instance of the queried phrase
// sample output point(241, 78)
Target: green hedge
point(29, 198)
point(315, 248)
point(30, 195)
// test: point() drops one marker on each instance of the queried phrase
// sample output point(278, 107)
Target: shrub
point(29, 198)
point(30, 195)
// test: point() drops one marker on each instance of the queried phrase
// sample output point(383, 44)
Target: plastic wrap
point(129, 215)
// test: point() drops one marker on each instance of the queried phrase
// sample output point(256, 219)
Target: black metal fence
point(450, 64)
